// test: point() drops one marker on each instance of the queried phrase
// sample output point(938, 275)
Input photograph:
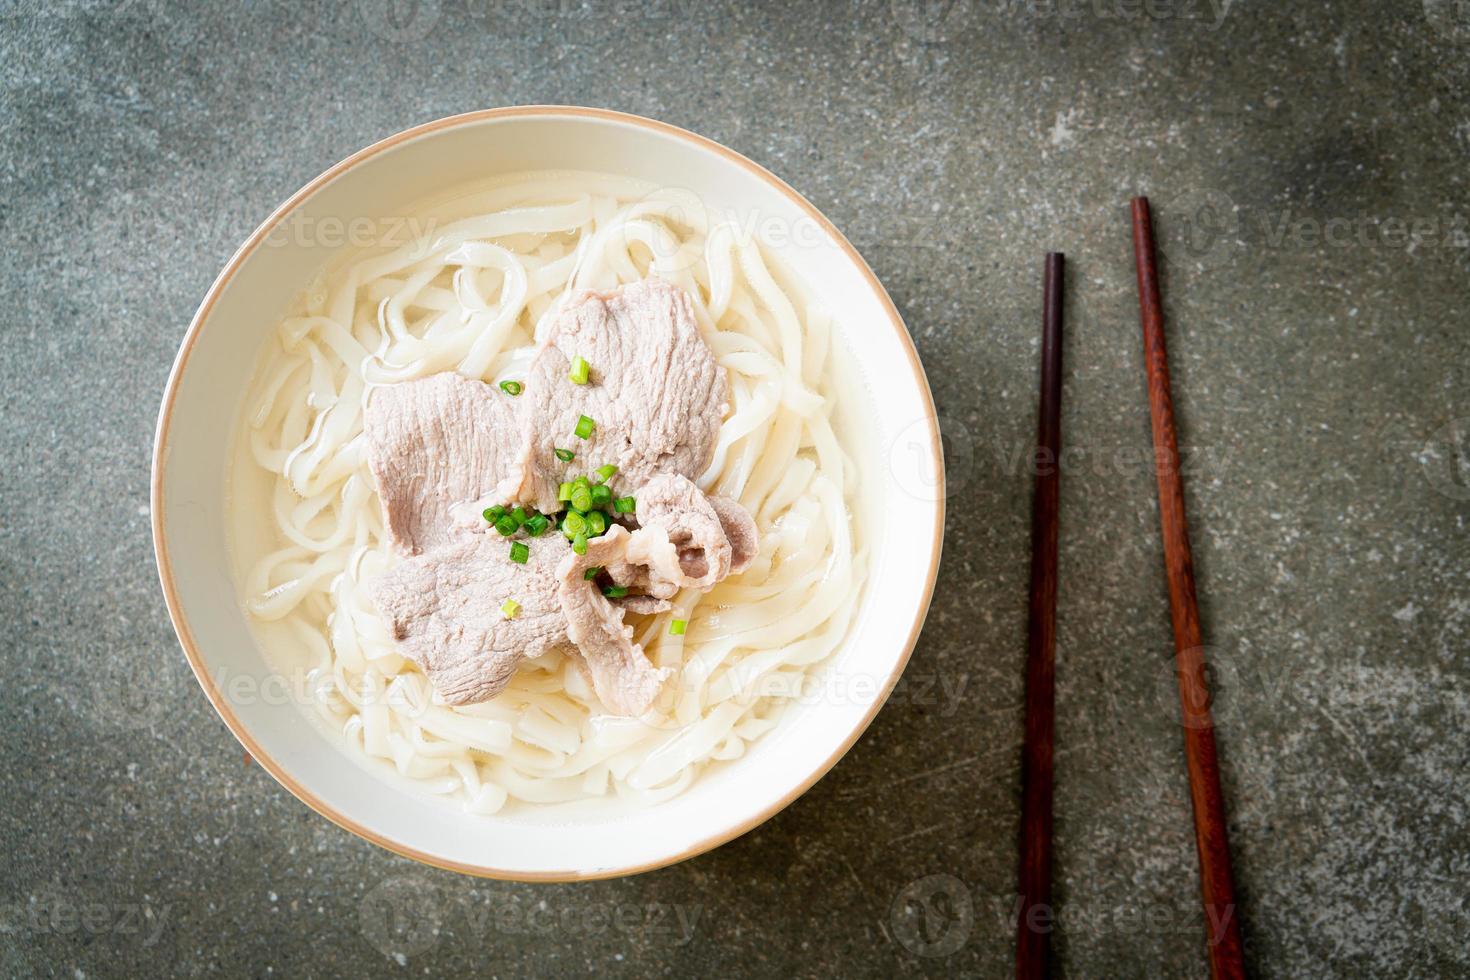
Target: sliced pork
point(655, 394)
point(739, 528)
point(431, 444)
point(643, 605)
point(444, 448)
point(444, 609)
point(685, 540)
point(620, 672)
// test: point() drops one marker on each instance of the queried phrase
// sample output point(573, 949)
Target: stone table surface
point(1308, 167)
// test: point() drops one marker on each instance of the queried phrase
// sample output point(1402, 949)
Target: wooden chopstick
point(1216, 885)
point(1034, 923)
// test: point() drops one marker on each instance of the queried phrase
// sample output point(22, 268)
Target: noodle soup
point(472, 291)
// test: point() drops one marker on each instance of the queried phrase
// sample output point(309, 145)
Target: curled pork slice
point(655, 394)
point(444, 610)
point(685, 540)
point(643, 605)
point(431, 444)
point(621, 674)
point(739, 528)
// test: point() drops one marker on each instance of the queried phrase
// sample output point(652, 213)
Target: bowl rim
point(179, 617)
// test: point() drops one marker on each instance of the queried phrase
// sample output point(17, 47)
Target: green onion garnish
point(601, 495)
point(573, 524)
point(625, 505)
point(615, 591)
point(510, 607)
point(564, 492)
point(582, 497)
point(537, 524)
point(596, 523)
point(519, 552)
point(677, 627)
point(579, 544)
point(511, 388)
point(506, 525)
point(565, 455)
point(591, 573)
point(581, 481)
point(580, 370)
point(492, 514)
point(584, 427)
point(520, 515)
point(604, 473)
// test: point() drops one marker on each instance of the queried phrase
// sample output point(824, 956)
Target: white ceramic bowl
point(898, 454)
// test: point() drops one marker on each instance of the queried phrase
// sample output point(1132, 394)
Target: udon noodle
point(469, 294)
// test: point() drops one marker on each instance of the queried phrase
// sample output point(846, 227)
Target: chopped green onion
point(519, 552)
point(584, 427)
point(492, 514)
point(604, 473)
point(565, 455)
point(511, 388)
point(596, 523)
point(615, 591)
point(677, 627)
point(520, 515)
point(564, 492)
point(506, 525)
point(625, 505)
point(601, 495)
point(573, 524)
point(591, 573)
point(580, 370)
point(579, 544)
point(581, 481)
point(510, 607)
point(537, 524)
point(582, 497)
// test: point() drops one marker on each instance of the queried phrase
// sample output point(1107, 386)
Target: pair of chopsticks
point(1033, 928)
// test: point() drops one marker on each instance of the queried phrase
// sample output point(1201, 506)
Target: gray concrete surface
point(1321, 362)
